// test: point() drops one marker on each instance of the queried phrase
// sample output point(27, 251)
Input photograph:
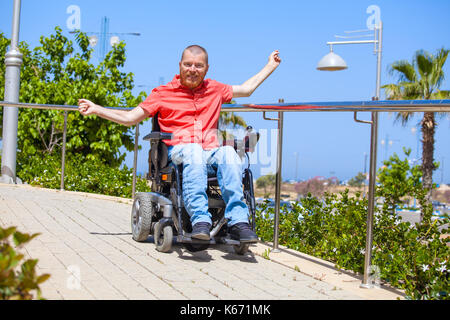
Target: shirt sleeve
point(227, 93)
point(151, 103)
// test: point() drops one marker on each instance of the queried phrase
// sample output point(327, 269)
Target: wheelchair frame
point(162, 211)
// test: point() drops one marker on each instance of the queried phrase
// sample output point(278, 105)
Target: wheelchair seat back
point(158, 156)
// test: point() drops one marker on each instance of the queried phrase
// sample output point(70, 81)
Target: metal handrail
point(341, 106)
point(347, 106)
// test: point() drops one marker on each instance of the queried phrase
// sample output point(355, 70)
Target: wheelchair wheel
point(141, 216)
point(194, 247)
point(241, 249)
point(163, 237)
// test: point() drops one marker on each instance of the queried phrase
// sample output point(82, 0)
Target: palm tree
point(229, 120)
point(420, 80)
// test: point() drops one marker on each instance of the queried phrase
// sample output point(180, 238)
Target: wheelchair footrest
point(215, 240)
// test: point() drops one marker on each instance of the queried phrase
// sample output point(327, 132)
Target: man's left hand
point(274, 59)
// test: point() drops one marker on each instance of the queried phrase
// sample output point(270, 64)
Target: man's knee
point(188, 154)
point(227, 155)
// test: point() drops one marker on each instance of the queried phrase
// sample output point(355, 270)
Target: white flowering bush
point(411, 257)
point(414, 257)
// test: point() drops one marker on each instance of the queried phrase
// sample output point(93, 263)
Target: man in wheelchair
point(187, 112)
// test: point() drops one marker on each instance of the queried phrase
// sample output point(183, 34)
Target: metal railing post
point(278, 177)
point(371, 201)
point(13, 62)
point(136, 140)
point(63, 156)
point(278, 180)
point(366, 283)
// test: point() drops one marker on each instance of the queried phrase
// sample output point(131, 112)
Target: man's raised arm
point(246, 89)
point(126, 118)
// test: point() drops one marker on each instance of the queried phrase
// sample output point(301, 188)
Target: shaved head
point(193, 66)
point(196, 50)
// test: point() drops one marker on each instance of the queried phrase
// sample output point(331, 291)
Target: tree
point(229, 120)
point(55, 73)
point(265, 181)
point(421, 79)
point(315, 186)
point(358, 180)
point(397, 179)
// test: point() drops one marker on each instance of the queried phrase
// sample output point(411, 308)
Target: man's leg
point(229, 176)
point(194, 186)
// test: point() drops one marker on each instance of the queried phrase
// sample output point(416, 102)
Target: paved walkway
point(86, 246)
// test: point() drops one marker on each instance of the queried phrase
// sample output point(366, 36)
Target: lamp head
point(93, 40)
point(331, 62)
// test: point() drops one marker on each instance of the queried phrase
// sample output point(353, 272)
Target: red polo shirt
point(190, 115)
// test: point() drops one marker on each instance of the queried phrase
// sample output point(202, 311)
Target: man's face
point(193, 69)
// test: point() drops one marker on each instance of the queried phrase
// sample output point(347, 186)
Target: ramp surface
point(86, 246)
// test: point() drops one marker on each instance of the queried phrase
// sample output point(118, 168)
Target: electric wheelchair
point(162, 212)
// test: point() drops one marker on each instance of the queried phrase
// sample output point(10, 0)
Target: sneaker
point(241, 231)
point(201, 230)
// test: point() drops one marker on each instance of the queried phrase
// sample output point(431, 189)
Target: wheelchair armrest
point(250, 139)
point(235, 143)
point(156, 135)
point(247, 144)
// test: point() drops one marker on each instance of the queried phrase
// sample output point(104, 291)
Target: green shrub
point(333, 229)
point(81, 174)
point(411, 257)
point(415, 258)
point(17, 284)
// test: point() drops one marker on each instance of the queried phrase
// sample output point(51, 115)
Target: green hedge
point(81, 174)
point(411, 257)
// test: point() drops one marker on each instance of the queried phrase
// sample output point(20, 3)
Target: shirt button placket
point(195, 98)
point(196, 113)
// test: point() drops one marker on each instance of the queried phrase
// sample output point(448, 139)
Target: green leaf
point(42, 278)
point(5, 233)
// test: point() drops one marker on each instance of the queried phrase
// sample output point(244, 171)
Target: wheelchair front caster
point(141, 216)
point(163, 237)
point(241, 249)
point(194, 247)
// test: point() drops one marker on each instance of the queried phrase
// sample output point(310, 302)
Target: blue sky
point(239, 36)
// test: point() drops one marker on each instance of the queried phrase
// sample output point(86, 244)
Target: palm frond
point(229, 120)
point(438, 73)
point(402, 91)
point(441, 57)
point(404, 117)
point(441, 94)
point(424, 62)
point(392, 91)
point(404, 70)
point(411, 90)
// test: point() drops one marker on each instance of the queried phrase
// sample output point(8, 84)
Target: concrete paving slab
point(86, 245)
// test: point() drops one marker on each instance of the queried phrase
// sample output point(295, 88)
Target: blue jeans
point(196, 165)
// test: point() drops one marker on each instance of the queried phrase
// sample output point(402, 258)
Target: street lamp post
point(332, 62)
point(387, 143)
point(114, 40)
point(13, 62)
point(296, 166)
point(104, 33)
point(414, 131)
